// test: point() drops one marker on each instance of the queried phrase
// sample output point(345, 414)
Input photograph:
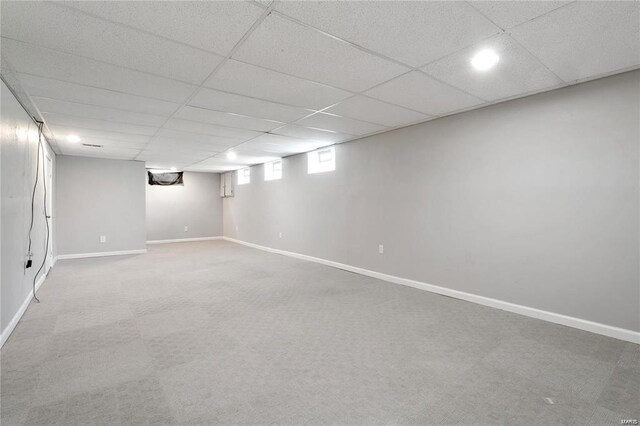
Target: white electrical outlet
point(280, 235)
point(381, 249)
point(103, 238)
point(186, 228)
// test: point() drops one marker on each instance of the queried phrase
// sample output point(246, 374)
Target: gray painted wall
point(533, 201)
point(99, 197)
point(196, 205)
point(18, 148)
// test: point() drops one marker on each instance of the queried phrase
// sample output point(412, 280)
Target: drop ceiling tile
point(38, 61)
point(175, 156)
point(165, 165)
point(517, 72)
point(169, 136)
point(226, 119)
point(375, 111)
point(508, 14)
point(339, 124)
point(210, 129)
point(253, 154)
point(112, 153)
point(105, 143)
point(283, 145)
point(46, 105)
point(62, 132)
point(167, 162)
point(285, 46)
point(80, 123)
point(56, 89)
point(313, 135)
point(59, 28)
point(228, 102)
point(215, 26)
point(168, 144)
point(420, 92)
point(62, 142)
point(403, 30)
point(585, 39)
point(215, 164)
point(250, 80)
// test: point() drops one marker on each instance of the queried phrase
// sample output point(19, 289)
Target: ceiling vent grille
point(90, 145)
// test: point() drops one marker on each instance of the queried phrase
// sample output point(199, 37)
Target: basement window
point(321, 160)
point(273, 170)
point(164, 178)
point(244, 176)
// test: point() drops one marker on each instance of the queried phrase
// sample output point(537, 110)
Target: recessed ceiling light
point(484, 60)
point(173, 169)
point(73, 138)
point(232, 155)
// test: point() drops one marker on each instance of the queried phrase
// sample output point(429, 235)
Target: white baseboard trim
point(16, 318)
point(100, 254)
point(183, 240)
point(593, 327)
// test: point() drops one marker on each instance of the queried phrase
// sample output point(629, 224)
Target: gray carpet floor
point(218, 333)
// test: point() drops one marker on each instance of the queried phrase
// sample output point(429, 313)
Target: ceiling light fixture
point(173, 169)
point(484, 60)
point(232, 155)
point(73, 138)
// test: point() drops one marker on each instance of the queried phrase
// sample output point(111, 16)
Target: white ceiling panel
point(214, 164)
point(186, 137)
point(585, 39)
point(420, 92)
point(215, 26)
point(517, 72)
point(285, 46)
point(339, 124)
point(165, 164)
point(375, 111)
point(104, 152)
point(403, 30)
point(508, 14)
point(46, 105)
point(168, 144)
point(33, 60)
point(228, 102)
point(283, 145)
point(250, 159)
point(250, 80)
point(323, 137)
point(62, 132)
point(105, 143)
point(254, 153)
point(176, 155)
point(210, 129)
point(59, 28)
point(226, 119)
point(90, 123)
point(56, 89)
